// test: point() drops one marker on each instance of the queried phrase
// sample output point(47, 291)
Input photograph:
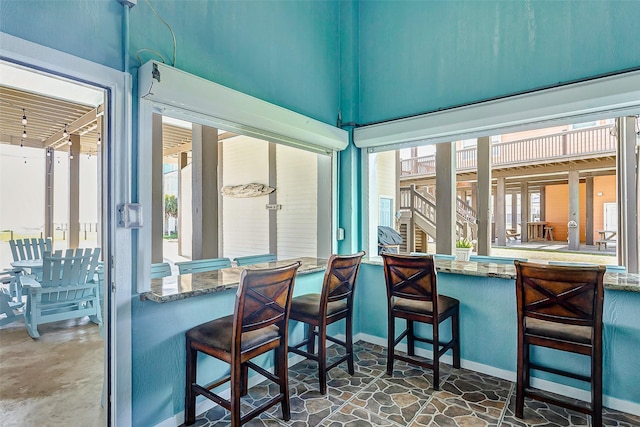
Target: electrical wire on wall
point(173, 36)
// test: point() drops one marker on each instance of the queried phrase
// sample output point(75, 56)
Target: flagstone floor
point(372, 398)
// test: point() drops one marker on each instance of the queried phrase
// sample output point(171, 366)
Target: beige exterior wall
point(557, 206)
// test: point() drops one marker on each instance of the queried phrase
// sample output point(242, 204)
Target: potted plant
point(463, 249)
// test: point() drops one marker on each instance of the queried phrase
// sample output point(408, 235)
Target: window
point(386, 211)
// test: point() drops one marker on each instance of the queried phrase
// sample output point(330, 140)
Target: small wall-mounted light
point(64, 132)
point(600, 193)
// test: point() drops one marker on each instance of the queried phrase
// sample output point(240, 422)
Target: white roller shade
point(614, 96)
point(188, 97)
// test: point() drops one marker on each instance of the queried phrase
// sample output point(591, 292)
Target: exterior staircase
point(418, 209)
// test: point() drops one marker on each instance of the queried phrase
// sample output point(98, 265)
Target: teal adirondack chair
point(255, 259)
point(160, 270)
point(66, 291)
point(610, 268)
point(442, 257)
point(495, 259)
point(200, 265)
point(24, 249)
point(8, 306)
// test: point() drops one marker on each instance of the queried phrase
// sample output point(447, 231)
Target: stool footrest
point(555, 399)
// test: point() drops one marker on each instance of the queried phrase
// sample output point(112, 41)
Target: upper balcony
point(593, 148)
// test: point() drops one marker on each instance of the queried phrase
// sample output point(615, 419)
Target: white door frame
point(117, 179)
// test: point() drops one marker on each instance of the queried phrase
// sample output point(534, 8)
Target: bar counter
point(488, 332)
point(172, 288)
point(177, 287)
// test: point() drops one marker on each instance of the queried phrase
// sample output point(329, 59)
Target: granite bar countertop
point(177, 287)
point(614, 281)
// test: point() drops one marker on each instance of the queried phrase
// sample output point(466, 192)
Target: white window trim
point(118, 83)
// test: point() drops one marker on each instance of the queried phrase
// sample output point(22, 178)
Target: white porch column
point(445, 193)
point(524, 211)
point(157, 198)
point(204, 192)
point(589, 207)
point(628, 187)
point(499, 216)
point(49, 163)
point(74, 192)
point(484, 196)
point(574, 210)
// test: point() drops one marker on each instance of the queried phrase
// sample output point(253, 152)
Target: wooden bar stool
point(320, 310)
point(412, 294)
point(259, 324)
point(560, 307)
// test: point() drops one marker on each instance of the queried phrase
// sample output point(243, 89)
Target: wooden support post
point(484, 197)
point(74, 192)
point(574, 210)
point(445, 193)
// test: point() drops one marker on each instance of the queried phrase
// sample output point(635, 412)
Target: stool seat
point(218, 334)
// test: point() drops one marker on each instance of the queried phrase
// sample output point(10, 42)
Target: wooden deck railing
point(583, 143)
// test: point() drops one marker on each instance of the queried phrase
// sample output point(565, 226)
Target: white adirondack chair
point(66, 290)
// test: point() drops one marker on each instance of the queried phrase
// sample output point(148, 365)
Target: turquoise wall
point(283, 52)
point(420, 56)
point(88, 29)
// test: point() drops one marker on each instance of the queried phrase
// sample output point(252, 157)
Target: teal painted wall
point(283, 52)
point(88, 29)
point(419, 56)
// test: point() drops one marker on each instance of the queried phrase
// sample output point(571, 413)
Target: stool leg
point(282, 371)
point(236, 391)
point(520, 379)
point(596, 386)
point(455, 335)
point(190, 398)
point(322, 357)
point(391, 331)
point(411, 349)
point(349, 342)
point(436, 357)
point(311, 339)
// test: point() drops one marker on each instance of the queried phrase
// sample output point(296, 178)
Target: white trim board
point(613, 96)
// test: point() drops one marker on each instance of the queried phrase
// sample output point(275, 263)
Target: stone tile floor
point(372, 398)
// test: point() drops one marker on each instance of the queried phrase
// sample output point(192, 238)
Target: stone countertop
point(614, 281)
point(177, 287)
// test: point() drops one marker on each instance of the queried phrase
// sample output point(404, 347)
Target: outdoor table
point(536, 230)
point(33, 265)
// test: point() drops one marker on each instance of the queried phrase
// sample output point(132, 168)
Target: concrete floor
point(55, 380)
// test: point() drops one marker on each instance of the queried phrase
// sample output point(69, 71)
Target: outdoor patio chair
point(254, 259)
point(24, 249)
point(200, 265)
point(66, 291)
point(495, 259)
